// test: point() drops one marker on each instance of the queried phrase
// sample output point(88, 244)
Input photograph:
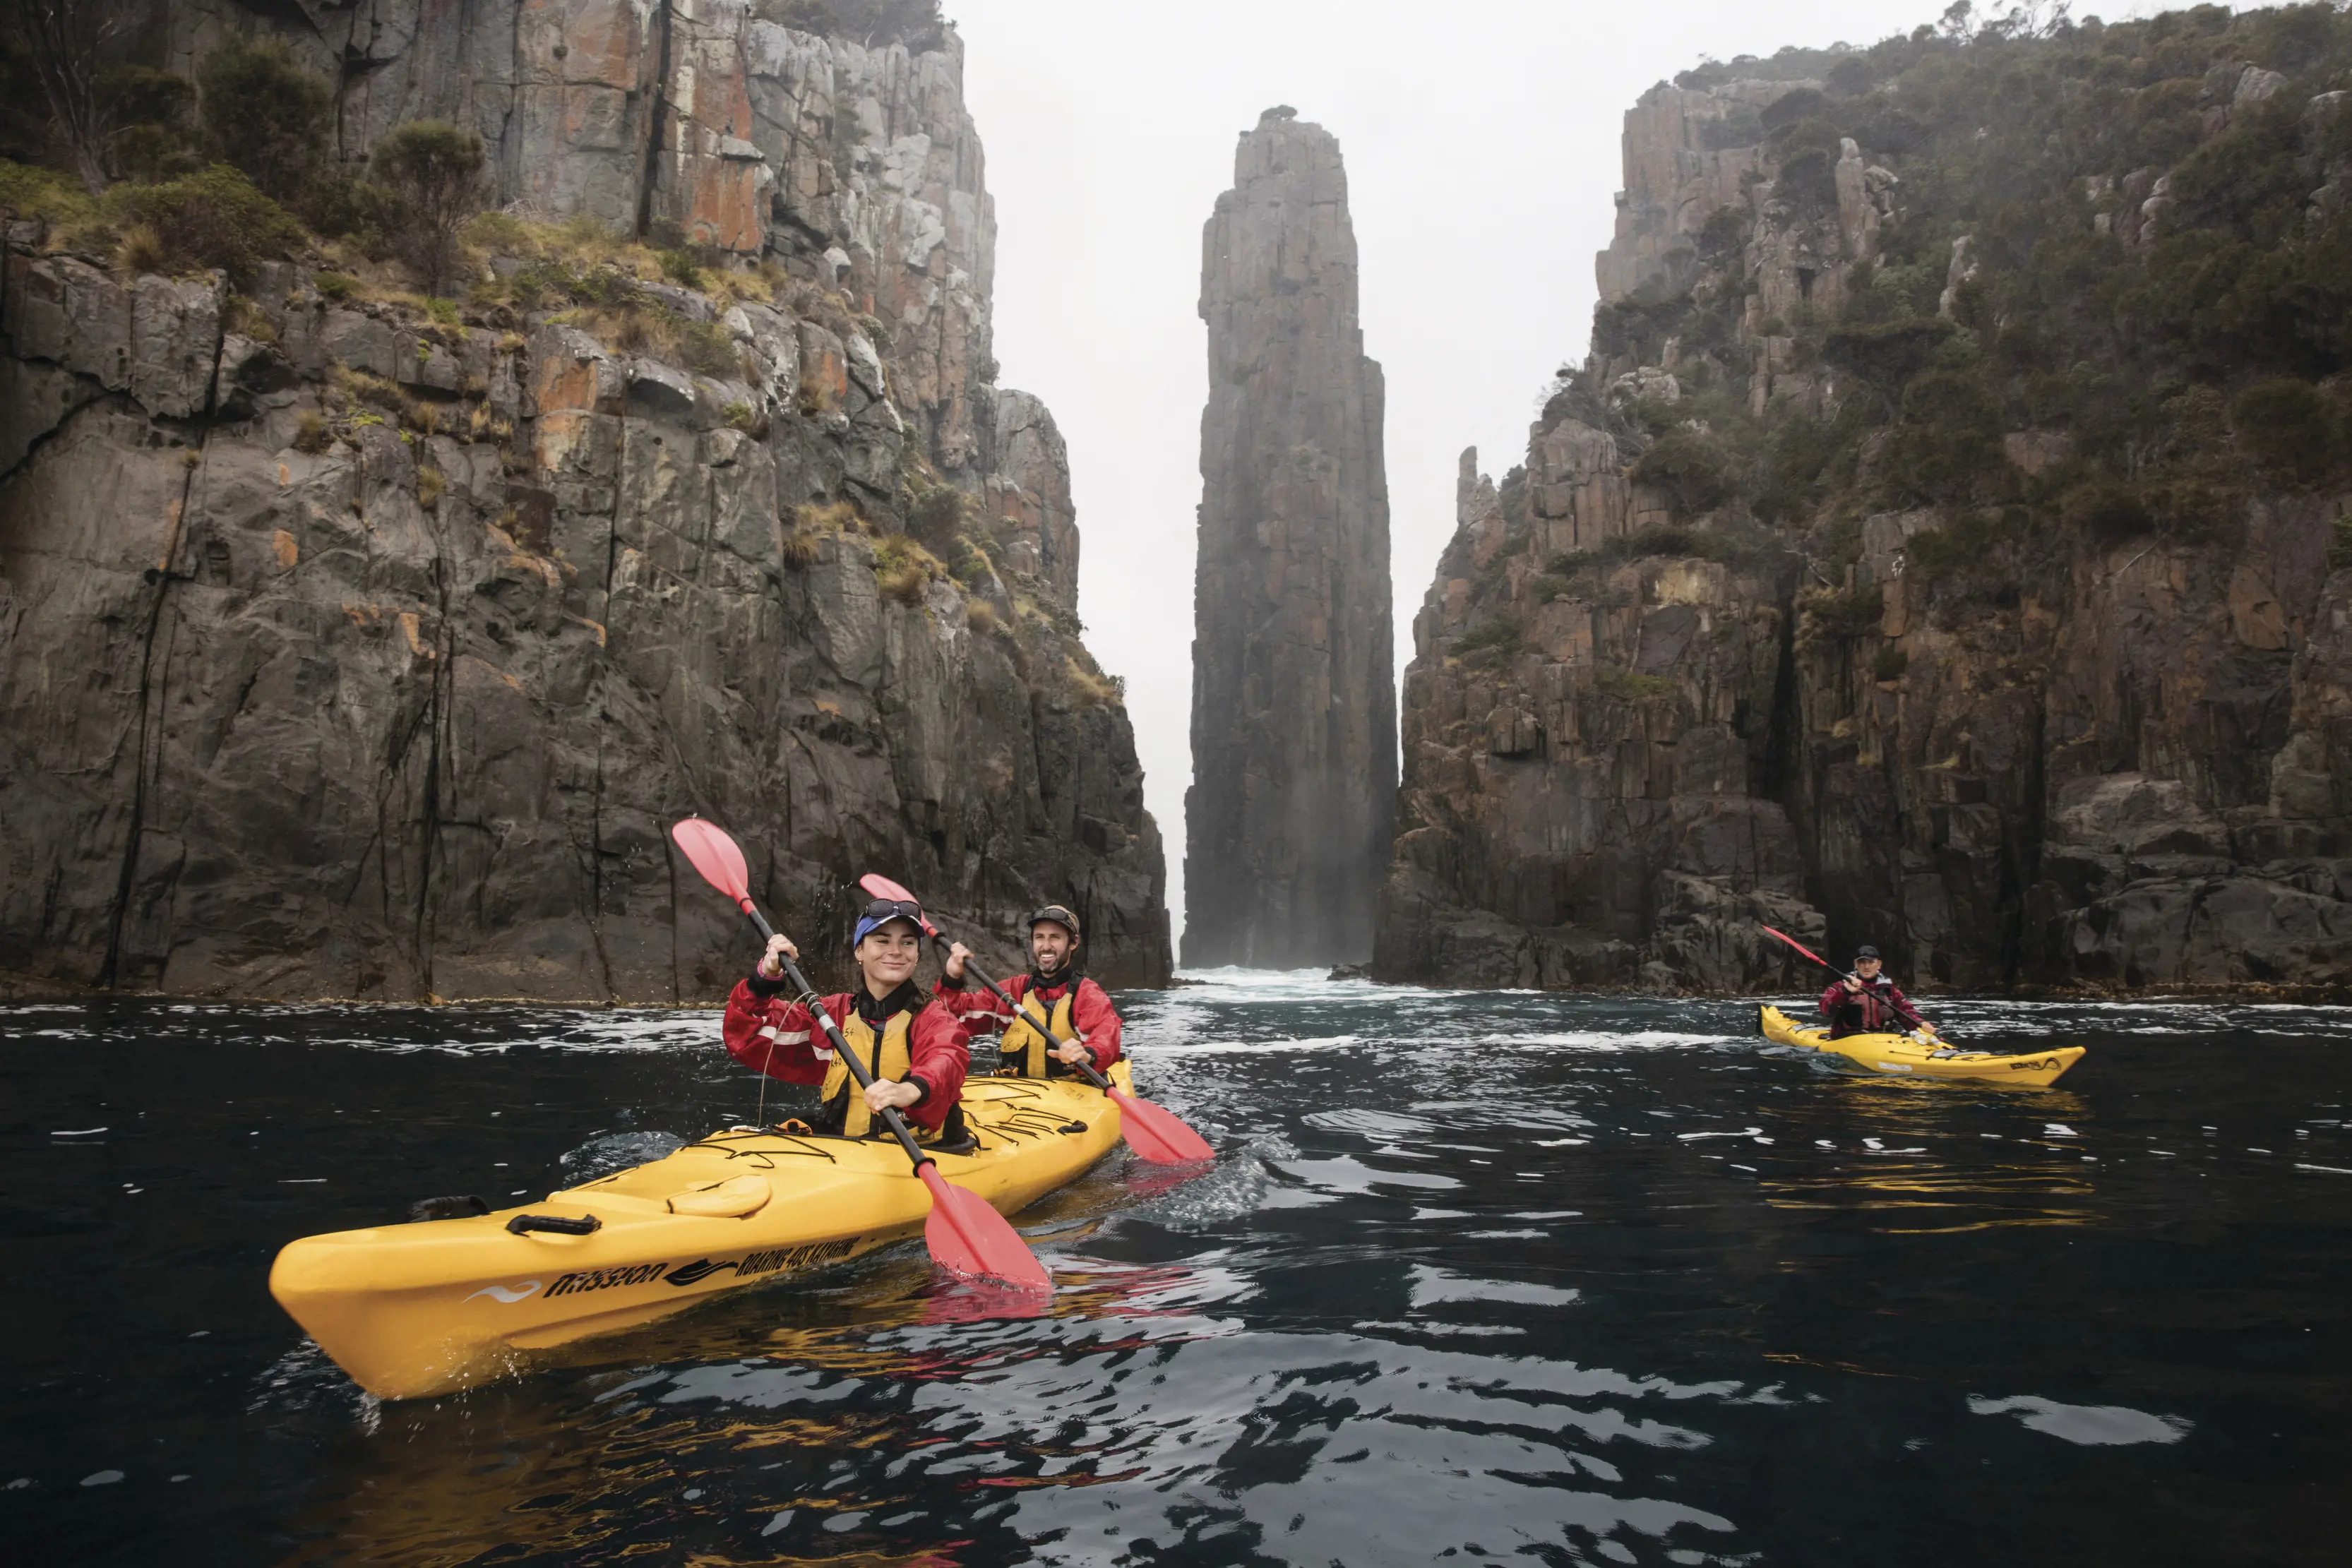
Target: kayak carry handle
point(562, 1225)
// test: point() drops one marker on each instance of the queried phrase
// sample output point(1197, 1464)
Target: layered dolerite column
point(1293, 709)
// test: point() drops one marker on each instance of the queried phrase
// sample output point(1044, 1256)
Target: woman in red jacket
point(916, 1050)
point(1083, 1022)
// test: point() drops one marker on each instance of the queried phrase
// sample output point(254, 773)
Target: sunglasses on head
point(894, 909)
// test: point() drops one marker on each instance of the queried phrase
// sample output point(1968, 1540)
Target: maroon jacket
point(780, 1038)
point(1881, 1009)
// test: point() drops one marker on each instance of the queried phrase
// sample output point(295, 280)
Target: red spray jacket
point(1880, 1008)
point(1090, 1010)
point(783, 1039)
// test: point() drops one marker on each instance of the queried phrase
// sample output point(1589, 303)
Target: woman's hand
point(771, 962)
point(1073, 1051)
point(957, 954)
point(887, 1094)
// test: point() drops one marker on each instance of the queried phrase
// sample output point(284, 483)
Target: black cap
point(1059, 916)
point(1864, 952)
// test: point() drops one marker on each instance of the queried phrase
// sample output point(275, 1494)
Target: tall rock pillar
point(1293, 706)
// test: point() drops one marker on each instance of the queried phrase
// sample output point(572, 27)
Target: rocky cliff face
point(350, 649)
point(2021, 691)
point(1294, 758)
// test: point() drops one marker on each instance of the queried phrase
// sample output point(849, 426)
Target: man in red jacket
point(1085, 1026)
point(914, 1048)
point(1866, 1002)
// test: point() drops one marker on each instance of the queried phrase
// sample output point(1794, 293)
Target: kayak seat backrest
point(733, 1198)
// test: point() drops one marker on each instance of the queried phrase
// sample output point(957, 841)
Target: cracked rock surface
point(292, 709)
point(1625, 754)
point(1293, 707)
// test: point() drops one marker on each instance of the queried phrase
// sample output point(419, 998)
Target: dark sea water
point(1477, 1276)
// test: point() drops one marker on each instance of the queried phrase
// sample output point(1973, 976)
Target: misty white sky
point(1481, 140)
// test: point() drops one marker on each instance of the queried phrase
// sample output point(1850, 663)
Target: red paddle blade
point(967, 1237)
point(716, 856)
point(1800, 947)
point(881, 886)
point(1157, 1134)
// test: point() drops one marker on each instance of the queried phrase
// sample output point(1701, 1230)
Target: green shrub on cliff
point(1846, 613)
point(917, 24)
point(1947, 446)
point(2288, 429)
point(1969, 542)
point(709, 349)
point(2106, 509)
point(215, 218)
point(1497, 637)
point(434, 169)
point(155, 109)
point(265, 112)
point(1886, 355)
point(1689, 470)
point(31, 192)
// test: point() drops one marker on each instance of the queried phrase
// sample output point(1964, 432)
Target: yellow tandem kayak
point(426, 1308)
point(1900, 1054)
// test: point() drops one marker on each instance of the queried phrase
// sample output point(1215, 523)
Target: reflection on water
point(1569, 1279)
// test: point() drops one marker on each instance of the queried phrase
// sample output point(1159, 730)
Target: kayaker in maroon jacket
point(1866, 1002)
point(916, 1049)
point(1083, 1022)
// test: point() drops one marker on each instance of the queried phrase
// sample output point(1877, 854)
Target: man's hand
point(771, 962)
point(887, 1094)
point(1073, 1051)
point(957, 954)
point(1853, 986)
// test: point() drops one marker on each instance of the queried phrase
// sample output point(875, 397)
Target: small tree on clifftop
point(435, 169)
point(69, 48)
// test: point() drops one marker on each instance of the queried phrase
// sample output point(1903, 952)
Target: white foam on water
point(610, 1152)
point(1238, 1185)
point(1604, 1039)
point(2090, 1426)
point(1370, 1123)
point(1151, 1051)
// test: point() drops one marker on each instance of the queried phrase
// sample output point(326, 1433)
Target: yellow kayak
point(426, 1307)
point(1915, 1058)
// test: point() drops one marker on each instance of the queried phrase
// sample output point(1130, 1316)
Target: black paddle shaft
point(890, 1117)
point(1031, 1020)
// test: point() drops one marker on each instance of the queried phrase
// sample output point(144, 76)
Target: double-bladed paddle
point(1916, 1021)
point(965, 1235)
point(1154, 1132)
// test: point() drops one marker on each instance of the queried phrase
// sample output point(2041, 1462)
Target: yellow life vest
point(889, 1058)
point(1023, 1050)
